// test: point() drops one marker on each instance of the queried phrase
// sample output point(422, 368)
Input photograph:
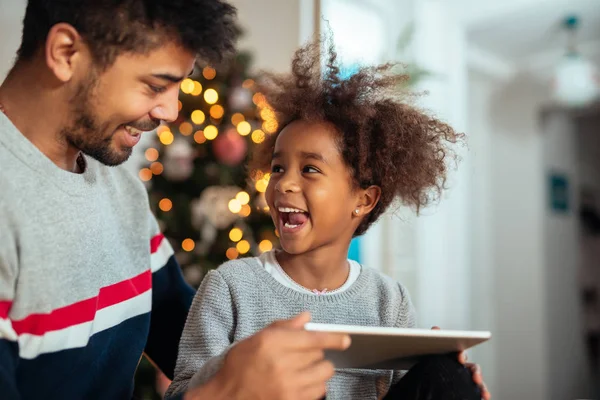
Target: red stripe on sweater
point(85, 310)
point(155, 242)
point(5, 308)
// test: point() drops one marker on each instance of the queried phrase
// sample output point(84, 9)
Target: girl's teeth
point(288, 225)
point(289, 210)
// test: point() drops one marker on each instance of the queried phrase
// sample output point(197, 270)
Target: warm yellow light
point(265, 245)
point(243, 246)
point(211, 132)
point(165, 205)
point(248, 83)
point(199, 137)
point(245, 210)
point(267, 114)
point(197, 89)
point(237, 118)
point(234, 206)
point(261, 185)
point(151, 154)
point(145, 174)
point(267, 176)
point(276, 233)
point(217, 111)
point(156, 168)
point(259, 99)
point(244, 128)
point(211, 96)
point(187, 86)
point(198, 117)
point(266, 209)
point(209, 73)
point(258, 136)
point(236, 234)
point(243, 197)
point(186, 128)
point(179, 105)
point(166, 138)
point(188, 245)
point(162, 129)
point(270, 126)
point(231, 253)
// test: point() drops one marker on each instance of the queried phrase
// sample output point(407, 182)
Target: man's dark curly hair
point(382, 138)
point(112, 27)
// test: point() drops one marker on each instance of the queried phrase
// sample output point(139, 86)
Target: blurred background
point(512, 247)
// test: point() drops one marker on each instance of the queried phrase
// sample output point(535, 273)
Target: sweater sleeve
point(406, 319)
point(207, 336)
point(407, 316)
point(9, 347)
point(171, 299)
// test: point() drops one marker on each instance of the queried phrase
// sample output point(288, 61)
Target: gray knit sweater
point(241, 297)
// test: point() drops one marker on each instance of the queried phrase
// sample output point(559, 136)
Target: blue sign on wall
point(559, 193)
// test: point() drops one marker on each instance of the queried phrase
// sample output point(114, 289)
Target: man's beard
point(86, 133)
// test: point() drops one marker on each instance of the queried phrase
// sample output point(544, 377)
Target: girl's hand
point(475, 372)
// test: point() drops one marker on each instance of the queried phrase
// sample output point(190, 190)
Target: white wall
point(272, 31)
point(11, 16)
point(568, 372)
point(508, 287)
point(479, 132)
point(525, 257)
point(519, 273)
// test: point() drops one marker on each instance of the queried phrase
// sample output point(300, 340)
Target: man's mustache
point(145, 126)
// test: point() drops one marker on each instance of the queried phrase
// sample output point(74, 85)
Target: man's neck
point(36, 107)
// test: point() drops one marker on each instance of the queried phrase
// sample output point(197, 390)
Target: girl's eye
point(276, 168)
point(310, 169)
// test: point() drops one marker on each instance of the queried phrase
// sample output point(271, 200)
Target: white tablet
point(395, 348)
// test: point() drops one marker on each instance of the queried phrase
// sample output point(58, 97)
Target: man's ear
point(65, 51)
point(367, 200)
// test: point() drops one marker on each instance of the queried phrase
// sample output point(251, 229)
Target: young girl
point(346, 149)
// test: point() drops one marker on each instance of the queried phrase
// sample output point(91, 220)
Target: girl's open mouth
point(292, 219)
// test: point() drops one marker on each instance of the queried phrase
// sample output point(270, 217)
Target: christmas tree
point(198, 183)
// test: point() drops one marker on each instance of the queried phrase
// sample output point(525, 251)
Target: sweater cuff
point(208, 370)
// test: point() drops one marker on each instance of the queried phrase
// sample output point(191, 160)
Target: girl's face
point(310, 194)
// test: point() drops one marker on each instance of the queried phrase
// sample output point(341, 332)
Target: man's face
point(111, 109)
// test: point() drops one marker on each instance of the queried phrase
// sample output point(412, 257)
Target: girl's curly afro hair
point(382, 138)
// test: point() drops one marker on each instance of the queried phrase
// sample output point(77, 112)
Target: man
point(87, 282)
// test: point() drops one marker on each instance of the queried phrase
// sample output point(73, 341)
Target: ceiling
point(529, 34)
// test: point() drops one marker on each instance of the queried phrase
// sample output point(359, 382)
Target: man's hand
point(475, 372)
point(283, 361)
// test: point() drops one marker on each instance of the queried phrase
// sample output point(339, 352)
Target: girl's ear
point(367, 200)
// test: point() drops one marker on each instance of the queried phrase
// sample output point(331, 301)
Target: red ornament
point(230, 148)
